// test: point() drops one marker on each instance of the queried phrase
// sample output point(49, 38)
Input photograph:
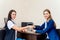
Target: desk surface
point(32, 33)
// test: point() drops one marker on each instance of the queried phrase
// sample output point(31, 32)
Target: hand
point(22, 30)
point(34, 30)
point(25, 30)
point(30, 26)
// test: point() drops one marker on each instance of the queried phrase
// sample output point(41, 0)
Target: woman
point(10, 26)
point(48, 27)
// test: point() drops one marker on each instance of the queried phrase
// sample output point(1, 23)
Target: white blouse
point(10, 24)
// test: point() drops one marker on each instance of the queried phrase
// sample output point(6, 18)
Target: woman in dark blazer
point(48, 26)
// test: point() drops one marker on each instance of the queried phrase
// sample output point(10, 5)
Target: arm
point(18, 28)
point(11, 25)
point(40, 27)
point(49, 27)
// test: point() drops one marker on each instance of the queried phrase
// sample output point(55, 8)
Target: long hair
point(50, 17)
point(9, 14)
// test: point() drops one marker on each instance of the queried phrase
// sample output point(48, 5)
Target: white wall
point(30, 10)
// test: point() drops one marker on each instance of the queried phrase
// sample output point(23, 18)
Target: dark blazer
point(50, 30)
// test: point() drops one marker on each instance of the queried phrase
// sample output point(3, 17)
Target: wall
point(30, 10)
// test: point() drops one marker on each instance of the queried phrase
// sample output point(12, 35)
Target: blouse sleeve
point(10, 24)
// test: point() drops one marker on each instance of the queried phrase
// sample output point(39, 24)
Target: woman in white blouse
point(10, 26)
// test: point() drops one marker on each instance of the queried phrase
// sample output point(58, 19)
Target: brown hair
point(9, 14)
point(50, 15)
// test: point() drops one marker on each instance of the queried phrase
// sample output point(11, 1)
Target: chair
point(58, 31)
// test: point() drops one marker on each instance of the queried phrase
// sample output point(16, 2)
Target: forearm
point(18, 28)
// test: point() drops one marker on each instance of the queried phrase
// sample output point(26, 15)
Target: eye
point(14, 14)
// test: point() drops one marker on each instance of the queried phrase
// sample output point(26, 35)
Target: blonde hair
point(48, 12)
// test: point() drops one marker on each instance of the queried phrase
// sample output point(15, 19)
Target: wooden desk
point(29, 36)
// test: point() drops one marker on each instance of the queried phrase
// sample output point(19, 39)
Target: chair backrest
point(5, 20)
point(58, 30)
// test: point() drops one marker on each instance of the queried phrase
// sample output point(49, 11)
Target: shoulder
point(51, 20)
point(9, 22)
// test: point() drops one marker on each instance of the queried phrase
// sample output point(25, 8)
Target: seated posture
point(48, 26)
point(11, 27)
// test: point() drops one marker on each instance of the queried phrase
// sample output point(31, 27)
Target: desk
point(29, 36)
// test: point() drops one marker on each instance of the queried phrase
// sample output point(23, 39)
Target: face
point(46, 15)
point(13, 15)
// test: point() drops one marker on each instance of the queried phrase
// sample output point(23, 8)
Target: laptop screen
point(23, 24)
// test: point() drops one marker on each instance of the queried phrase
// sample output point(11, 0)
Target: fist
point(25, 30)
